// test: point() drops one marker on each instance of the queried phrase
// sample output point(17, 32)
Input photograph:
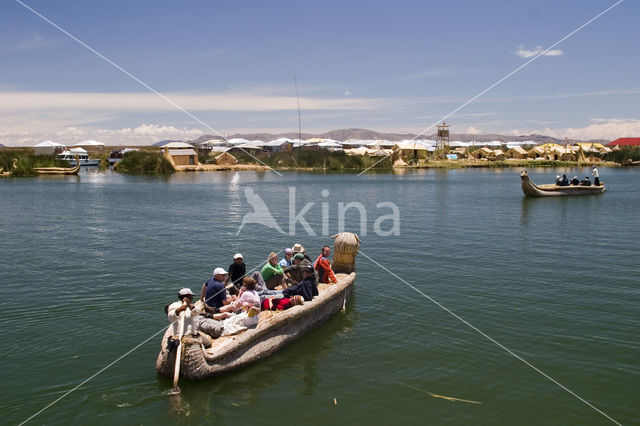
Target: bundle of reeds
point(226, 159)
point(345, 249)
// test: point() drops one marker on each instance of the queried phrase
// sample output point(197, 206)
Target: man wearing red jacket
point(323, 266)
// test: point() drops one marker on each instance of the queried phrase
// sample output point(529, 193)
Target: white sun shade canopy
point(48, 143)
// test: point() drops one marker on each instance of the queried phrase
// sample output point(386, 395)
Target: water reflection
point(296, 365)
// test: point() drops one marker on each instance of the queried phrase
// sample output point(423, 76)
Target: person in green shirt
point(272, 273)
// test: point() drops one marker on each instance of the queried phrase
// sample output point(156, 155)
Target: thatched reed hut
point(516, 152)
point(225, 159)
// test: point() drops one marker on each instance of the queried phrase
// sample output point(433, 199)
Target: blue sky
point(388, 66)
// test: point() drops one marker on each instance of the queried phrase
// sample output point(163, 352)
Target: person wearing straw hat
point(298, 248)
point(323, 266)
point(199, 320)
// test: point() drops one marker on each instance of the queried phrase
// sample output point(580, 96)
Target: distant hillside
point(345, 134)
point(2, 146)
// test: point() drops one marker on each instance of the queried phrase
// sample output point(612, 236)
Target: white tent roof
point(277, 142)
point(237, 141)
point(410, 145)
point(48, 143)
point(329, 144)
point(212, 142)
point(247, 146)
point(354, 143)
point(90, 143)
point(357, 151)
point(176, 145)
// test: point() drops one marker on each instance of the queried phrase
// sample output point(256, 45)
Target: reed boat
point(530, 189)
point(59, 170)
point(13, 166)
point(202, 357)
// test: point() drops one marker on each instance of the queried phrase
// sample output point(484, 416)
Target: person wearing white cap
point(214, 294)
point(237, 271)
point(213, 326)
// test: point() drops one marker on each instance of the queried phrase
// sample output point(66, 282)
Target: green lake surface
point(88, 263)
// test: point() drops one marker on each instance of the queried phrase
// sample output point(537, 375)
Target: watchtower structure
point(442, 139)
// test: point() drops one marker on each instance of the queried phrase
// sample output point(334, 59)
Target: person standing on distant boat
point(596, 176)
point(323, 266)
point(237, 271)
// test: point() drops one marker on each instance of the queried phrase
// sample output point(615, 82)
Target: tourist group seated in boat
point(230, 301)
point(564, 181)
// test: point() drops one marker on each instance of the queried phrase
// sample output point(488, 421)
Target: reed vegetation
point(26, 162)
point(144, 162)
point(623, 155)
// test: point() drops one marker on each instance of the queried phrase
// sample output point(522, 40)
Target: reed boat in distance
point(13, 166)
point(530, 189)
point(59, 170)
point(202, 357)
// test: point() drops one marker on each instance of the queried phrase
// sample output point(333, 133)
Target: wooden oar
point(176, 370)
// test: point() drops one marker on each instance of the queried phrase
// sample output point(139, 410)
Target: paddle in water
point(176, 370)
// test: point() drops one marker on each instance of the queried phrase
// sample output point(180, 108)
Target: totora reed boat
point(274, 330)
point(530, 189)
point(59, 170)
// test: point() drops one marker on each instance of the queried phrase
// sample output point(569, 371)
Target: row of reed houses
point(404, 151)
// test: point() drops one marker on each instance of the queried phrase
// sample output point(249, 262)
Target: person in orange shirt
point(323, 266)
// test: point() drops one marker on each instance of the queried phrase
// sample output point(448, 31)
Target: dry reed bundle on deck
point(344, 253)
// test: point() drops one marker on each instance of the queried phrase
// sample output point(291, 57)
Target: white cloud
point(29, 42)
point(524, 53)
point(239, 101)
point(608, 129)
point(473, 131)
point(431, 73)
point(144, 134)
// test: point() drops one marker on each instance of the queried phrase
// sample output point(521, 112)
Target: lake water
point(88, 263)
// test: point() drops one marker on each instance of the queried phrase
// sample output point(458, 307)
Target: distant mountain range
point(1, 146)
point(344, 134)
